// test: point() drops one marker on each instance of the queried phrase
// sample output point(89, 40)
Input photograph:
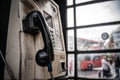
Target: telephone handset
point(32, 24)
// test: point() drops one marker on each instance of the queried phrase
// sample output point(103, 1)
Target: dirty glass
point(82, 1)
point(71, 64)
point(98, 38)
point(69, 2)
point(93, 68)
point(70, 40)
point(98, 13)
point(70, 17)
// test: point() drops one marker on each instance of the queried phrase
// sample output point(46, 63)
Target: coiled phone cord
point(7, 67)
point(50, 70)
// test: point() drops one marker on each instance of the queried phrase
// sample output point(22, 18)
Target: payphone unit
point(35, 44)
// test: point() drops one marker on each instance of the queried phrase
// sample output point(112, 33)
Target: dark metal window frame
point(76, 52)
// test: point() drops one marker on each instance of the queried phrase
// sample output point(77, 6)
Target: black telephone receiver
point(34, 23)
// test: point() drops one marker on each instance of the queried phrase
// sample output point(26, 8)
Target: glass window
point(71, 64)
point(70, 40)
point(98, 13)
point(69, 2)
point(93, 67)
point(98, 38)
point(81, 1)
point(70, 17)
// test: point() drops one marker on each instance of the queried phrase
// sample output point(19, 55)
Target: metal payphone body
point(22, 47)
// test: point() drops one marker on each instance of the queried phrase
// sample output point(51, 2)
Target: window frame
point(74, 28)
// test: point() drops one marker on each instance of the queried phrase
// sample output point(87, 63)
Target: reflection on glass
point(98, 13)
point(69, 2)
point(94, 65)
point(90, 38)
point(48, 19)
point(70, 17)
point(81, 1)
point(70, 40)
point(71, 65)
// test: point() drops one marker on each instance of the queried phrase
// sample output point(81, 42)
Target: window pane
point(69, 2)
point(92, 65)
point(70, 17)
point(93, 38)
point(71, 64)
point(81, 1)
point(70, 40)
point(98, 13)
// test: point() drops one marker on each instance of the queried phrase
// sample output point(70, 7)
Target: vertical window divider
point(75, 41)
